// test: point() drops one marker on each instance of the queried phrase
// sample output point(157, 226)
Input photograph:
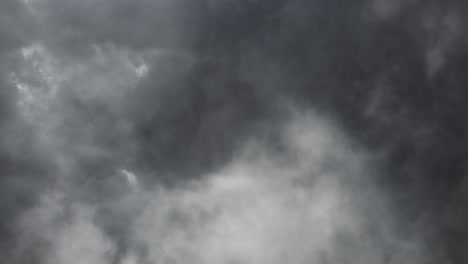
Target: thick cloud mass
point(222, 131)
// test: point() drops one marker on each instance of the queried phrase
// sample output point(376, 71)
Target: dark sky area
point(233, 131)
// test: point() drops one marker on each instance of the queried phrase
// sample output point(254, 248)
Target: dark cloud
point(16, 25)
point(100, 96)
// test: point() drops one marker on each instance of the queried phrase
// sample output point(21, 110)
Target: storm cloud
point(221, 131)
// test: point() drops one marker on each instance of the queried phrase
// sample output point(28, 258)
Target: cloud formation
point(233, 131)
point(318, 207)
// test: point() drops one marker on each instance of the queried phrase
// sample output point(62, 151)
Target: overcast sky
point(233, 131)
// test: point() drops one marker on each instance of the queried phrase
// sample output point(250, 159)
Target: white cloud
point(80, 242)
point(255, 211)
point(318, 207)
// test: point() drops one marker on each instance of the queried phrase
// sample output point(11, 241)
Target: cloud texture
point(220, 131)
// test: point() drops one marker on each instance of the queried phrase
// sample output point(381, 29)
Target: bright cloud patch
point(261, 208)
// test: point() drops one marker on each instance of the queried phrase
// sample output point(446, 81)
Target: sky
point(233, 131)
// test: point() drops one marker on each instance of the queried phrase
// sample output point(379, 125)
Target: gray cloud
point(252, 210)
point(125, 124)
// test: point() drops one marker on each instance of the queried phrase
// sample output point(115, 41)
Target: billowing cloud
point(318, 206)
point(175, 131)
